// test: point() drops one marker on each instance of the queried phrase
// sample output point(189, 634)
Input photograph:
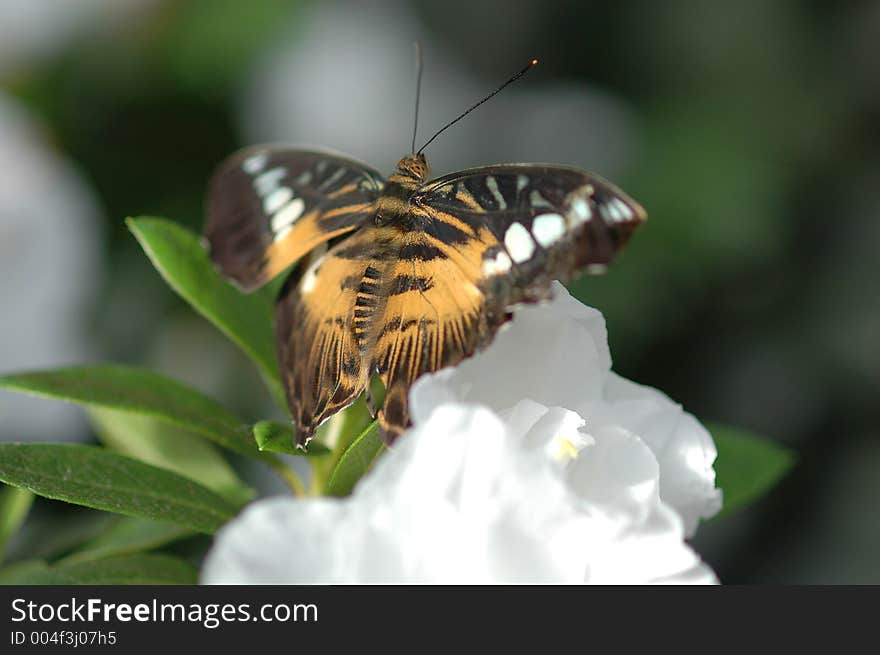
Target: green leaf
point(156, 442)
point(247, 319)
point(98, 478)
point(339, 432)
point(50, 535)
point(14, 507)
point(342, 428)
point(22, 572)
point(748, 466)
point(128, 536)
point(138, 391)
point(355, 461)
point(275, 437)
point(143, 569)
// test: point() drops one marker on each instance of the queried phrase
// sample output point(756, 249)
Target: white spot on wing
point(492, 185)
point(518, 243)
point(255, 163)
point(614, 212)
point(581, 209)
point(548, 229)
point(624, 209)
point(369, 184)
point(309, 279)
point(287, 215)
point(337, 175)
point(521, 182)
point(283, 233)
point(303, 179)
point(497, 265)
point(266, 182)
point(610, 212)
point(277, 199)
point(538, 200)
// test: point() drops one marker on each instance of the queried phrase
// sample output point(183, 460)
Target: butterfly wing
point(267, 207)
point(320, 330)
point(538, 223)
point(492, 237)
point(434, 315)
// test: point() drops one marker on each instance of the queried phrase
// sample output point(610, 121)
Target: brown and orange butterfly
point(404, 276)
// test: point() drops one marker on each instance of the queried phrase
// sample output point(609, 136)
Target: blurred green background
point(750, 131)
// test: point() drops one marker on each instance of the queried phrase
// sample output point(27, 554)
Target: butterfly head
point(414, 167)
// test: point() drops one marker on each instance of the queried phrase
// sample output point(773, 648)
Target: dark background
point(750, 131)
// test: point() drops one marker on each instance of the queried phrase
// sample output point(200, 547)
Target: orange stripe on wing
point(466, 198)
point(341, 191)
point(293, 246)
point(347, 209)
point(449, 219)
point(305, 235)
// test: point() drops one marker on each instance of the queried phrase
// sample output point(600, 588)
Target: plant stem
point(288, 475)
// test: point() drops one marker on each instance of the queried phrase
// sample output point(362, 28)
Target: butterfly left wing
point(268, 206)
point(536, 223)
point(491, 237)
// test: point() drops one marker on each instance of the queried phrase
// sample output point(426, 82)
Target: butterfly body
point(427, 274)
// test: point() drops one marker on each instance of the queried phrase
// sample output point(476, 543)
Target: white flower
point(557, 355)
point(531, 462)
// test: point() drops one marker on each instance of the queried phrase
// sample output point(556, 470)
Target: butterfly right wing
point(533, 223)
point(267, 207)
point(491, 238)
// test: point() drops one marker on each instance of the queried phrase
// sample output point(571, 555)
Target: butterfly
point(400, 276)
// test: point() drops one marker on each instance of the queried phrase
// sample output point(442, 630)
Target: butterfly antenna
point(513, 79)
point(418, 93)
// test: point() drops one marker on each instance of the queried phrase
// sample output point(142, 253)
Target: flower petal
point(556, 354)
point(466, 499)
